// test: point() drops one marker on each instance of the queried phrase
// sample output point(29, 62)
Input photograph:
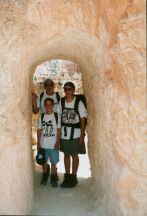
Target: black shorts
point(72, 146)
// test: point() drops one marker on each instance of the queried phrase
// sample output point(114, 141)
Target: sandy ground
point(63, 202)
point(76, 201)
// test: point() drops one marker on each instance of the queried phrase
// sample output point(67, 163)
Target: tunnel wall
point(107, 39)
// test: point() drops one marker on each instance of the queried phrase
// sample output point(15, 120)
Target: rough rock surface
point(107, 39)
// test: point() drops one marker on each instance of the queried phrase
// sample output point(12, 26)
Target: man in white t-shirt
point(48, 138)
point(72, 138)
point(38, 102)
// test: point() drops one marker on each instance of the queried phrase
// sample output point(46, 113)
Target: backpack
point(57, 96)
point(55, 114)
point(82, 98)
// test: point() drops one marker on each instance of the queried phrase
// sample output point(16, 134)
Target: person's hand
point(57, 146)
point(34, 98)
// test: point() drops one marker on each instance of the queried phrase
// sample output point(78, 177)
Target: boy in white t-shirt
point(48, 138)
point(73, 127)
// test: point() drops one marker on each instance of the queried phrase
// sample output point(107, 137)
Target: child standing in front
point(48, 138)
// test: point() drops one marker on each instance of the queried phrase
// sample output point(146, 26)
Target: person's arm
point(82, 135)
point(39, 131)
point(38, 138)
point(57, 145)
point(35, 109)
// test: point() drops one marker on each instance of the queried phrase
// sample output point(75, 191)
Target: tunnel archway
point(80, 51)
point(109, 46)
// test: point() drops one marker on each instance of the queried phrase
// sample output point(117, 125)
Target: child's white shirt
point(49, 130)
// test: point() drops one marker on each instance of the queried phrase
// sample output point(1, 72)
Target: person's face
point(69, 91)
point(48, 107)
point(49, 88)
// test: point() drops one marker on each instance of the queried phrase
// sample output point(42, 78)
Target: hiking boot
point(54, 180)
point(66, 181)
point(57, 177)
point(73, 181)
point(45, 176)
point(44, 179)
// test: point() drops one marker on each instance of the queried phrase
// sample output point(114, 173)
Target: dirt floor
point(76, 201)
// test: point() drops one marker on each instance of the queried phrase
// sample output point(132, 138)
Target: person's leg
point(67, 163)
point(45, 175)
point(54, 159)
point(65, 148)
point(53, 169)
point(46, 169)
point(53, 176)
point(70, 180)
point(75, 163)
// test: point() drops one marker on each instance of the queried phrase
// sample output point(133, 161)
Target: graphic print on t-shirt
point(69, 116)
point(47, 128)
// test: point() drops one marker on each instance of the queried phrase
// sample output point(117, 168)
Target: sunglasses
point(47, 85)
point(67, 89)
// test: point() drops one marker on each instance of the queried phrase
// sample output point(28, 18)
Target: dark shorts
point(72, 146)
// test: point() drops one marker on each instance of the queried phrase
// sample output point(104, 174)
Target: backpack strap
point(56, 117)
point(57, 96)
point(55, 114)
point(72, 133)
point(63, 103)
point(41, 96)
point(76, 105)
point(42, 117)
point(62, 108)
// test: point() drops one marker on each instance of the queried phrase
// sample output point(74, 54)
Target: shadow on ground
point(63, 202)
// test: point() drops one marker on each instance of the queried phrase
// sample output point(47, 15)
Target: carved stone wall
point(107, 39)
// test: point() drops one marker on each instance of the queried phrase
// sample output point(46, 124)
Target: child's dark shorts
point(72, 146)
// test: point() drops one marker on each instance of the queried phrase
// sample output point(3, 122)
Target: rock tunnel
point(107, 39)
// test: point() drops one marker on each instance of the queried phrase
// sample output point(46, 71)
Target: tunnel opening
point(60, 71)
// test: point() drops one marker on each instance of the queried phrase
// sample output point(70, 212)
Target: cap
point(49, 82)
point(40, 157)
